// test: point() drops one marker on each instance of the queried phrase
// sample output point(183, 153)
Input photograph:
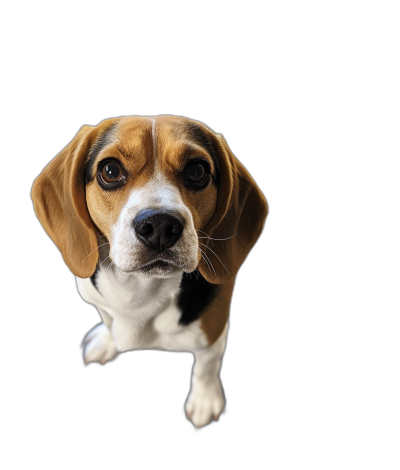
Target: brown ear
point(238, 220)
point(58, 195)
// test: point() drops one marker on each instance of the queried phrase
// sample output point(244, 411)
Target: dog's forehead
point(160, 137)
point(133, 136)
point(149, 148)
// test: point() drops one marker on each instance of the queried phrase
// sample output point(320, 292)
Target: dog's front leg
point(206, 399)
point(98, 344)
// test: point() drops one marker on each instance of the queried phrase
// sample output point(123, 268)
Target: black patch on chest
point(196, 294)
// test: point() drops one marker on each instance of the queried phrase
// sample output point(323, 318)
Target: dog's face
point(151, 185)
point(157, 190)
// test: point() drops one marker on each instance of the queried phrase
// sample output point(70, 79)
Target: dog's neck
point(147, 296)
point(137, 287)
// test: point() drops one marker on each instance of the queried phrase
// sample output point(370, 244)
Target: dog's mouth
point(158, 267)
point(160, 264)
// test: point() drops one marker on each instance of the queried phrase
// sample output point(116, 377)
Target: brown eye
point(196, 172)
point(111, 172)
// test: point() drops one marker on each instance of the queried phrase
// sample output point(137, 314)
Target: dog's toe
point(205, 403)
point(99, 345)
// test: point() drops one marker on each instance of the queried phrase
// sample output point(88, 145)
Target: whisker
point(114, 264)
point(103, 261)
point(201, 255)
point(207, 236)
point(215, 274)
point(218, 239)
point(216, 256)
point(212, 267)
point(202, 232)
point(96, 249)
point(206, 262)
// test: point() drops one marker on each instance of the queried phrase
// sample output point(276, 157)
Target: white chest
point(143, 313)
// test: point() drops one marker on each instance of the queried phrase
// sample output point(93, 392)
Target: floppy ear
point(58, 195)
point(238, 220)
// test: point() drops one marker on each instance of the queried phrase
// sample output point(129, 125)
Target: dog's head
point(166, 193)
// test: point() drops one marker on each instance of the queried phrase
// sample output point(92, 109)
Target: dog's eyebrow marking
point(197, 134)
point(96, 148)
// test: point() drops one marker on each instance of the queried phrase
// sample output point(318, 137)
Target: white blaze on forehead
point(158, 193)
point(153, 133)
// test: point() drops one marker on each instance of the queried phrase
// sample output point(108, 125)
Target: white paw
point(205, 402)
point(98, 345)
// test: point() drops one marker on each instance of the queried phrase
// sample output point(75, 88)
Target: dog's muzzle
point(158, 229)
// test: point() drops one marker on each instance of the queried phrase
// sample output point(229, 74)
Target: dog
point(154, 215)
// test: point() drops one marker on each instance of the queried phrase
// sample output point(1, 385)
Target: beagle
point(154, 215)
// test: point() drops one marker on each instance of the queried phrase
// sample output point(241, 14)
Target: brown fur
point(58, 195)
point(214, 319)
point(73, 214)
point(132, 146)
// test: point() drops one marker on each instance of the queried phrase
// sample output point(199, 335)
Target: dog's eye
point(111, 172)
point(196, 172)
point(197, 175)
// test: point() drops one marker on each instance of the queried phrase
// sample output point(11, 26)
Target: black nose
point(158, 229)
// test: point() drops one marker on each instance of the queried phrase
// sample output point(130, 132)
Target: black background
point(263, 368)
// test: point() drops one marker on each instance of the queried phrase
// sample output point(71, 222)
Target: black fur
point(97, 147)
point(197, 134)
point(195, 296)
point(93, 278)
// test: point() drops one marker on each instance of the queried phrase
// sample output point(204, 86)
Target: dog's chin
point(156, 269)
point(159, 269)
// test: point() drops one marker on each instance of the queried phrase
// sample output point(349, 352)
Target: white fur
point(139, 311)
point(158, 193)
point(99, 345)
point(206, 399)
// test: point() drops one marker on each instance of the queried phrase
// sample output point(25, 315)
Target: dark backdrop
point(146, 390)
